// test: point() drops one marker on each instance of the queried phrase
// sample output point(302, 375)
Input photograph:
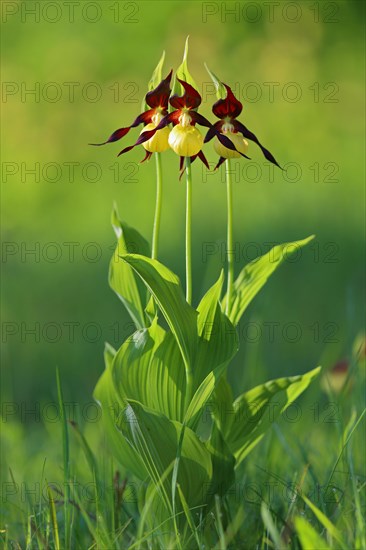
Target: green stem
point(189, 231)
point(157, 217)
point(229, 243)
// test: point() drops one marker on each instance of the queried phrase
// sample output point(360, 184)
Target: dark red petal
point(202, 157)
point(171, 117)
point(229, 144)
point(228, 107)
point(249, 135)
point(159, 97)
point(221, 161)
point(213, 131)
point(146, 157)
point(145, 136)
point(181, 167)
point(199, 119)
point(145, 118)
point(118, 134)
point(191, 99)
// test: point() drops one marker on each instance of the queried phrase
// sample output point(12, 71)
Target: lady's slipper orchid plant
point(157, 385)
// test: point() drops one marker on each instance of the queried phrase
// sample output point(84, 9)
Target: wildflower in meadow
point(153, 141)
point(227, 110)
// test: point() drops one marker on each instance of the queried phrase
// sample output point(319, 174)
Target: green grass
point(305, 472)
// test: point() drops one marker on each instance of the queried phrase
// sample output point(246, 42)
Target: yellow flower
point(186, 141)
point(241, 146)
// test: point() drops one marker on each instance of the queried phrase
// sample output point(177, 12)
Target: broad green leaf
point(221, 406)
point(135, 242)
point(155, 439)
point(256, 410)
point(322, 518)
point(218, 339)
point(109, 353)
point(149, 368)
point(208, 306)
point(309, 538)
point(165, 286)
point(121, 277)
point(183, 72)
point(217, 344)
point(220, 88)
point(202, 396)
point(223, 463)
point(254, 276)
point(105, 395)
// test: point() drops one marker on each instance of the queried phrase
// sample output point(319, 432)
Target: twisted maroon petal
point(145, 136)
point(147, 156)
point(221, 161)
point(213, 131)
point(229, 144)
point(191, 99)
point(202, 157)
point(228, 107)
point(159, 97)
point(168, 119)
point(181, 164)
point(145, 118)
point(197, 118)
point(249, 135)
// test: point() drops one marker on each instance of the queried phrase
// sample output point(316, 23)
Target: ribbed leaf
point(216, 346)
point(222, 406)
point(165, 286)
point(105, 395)
point(218, 340)
point(121, 277)
point(156, 439)
point(254, 276)
point(149, 368)
point(256, 410)
point(223, 463)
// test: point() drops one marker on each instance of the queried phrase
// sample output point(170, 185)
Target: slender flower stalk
point(157, 217)
point(230, 241)
point(188, 230)
point(230, 142)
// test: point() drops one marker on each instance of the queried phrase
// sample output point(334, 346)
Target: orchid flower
point(150, 139)
point(227, 110)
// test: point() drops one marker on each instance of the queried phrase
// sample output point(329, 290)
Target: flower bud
point(240, 143)
point(158, 143)
point(186, 141)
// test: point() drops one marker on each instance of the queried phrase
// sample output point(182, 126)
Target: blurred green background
point(297, 67)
